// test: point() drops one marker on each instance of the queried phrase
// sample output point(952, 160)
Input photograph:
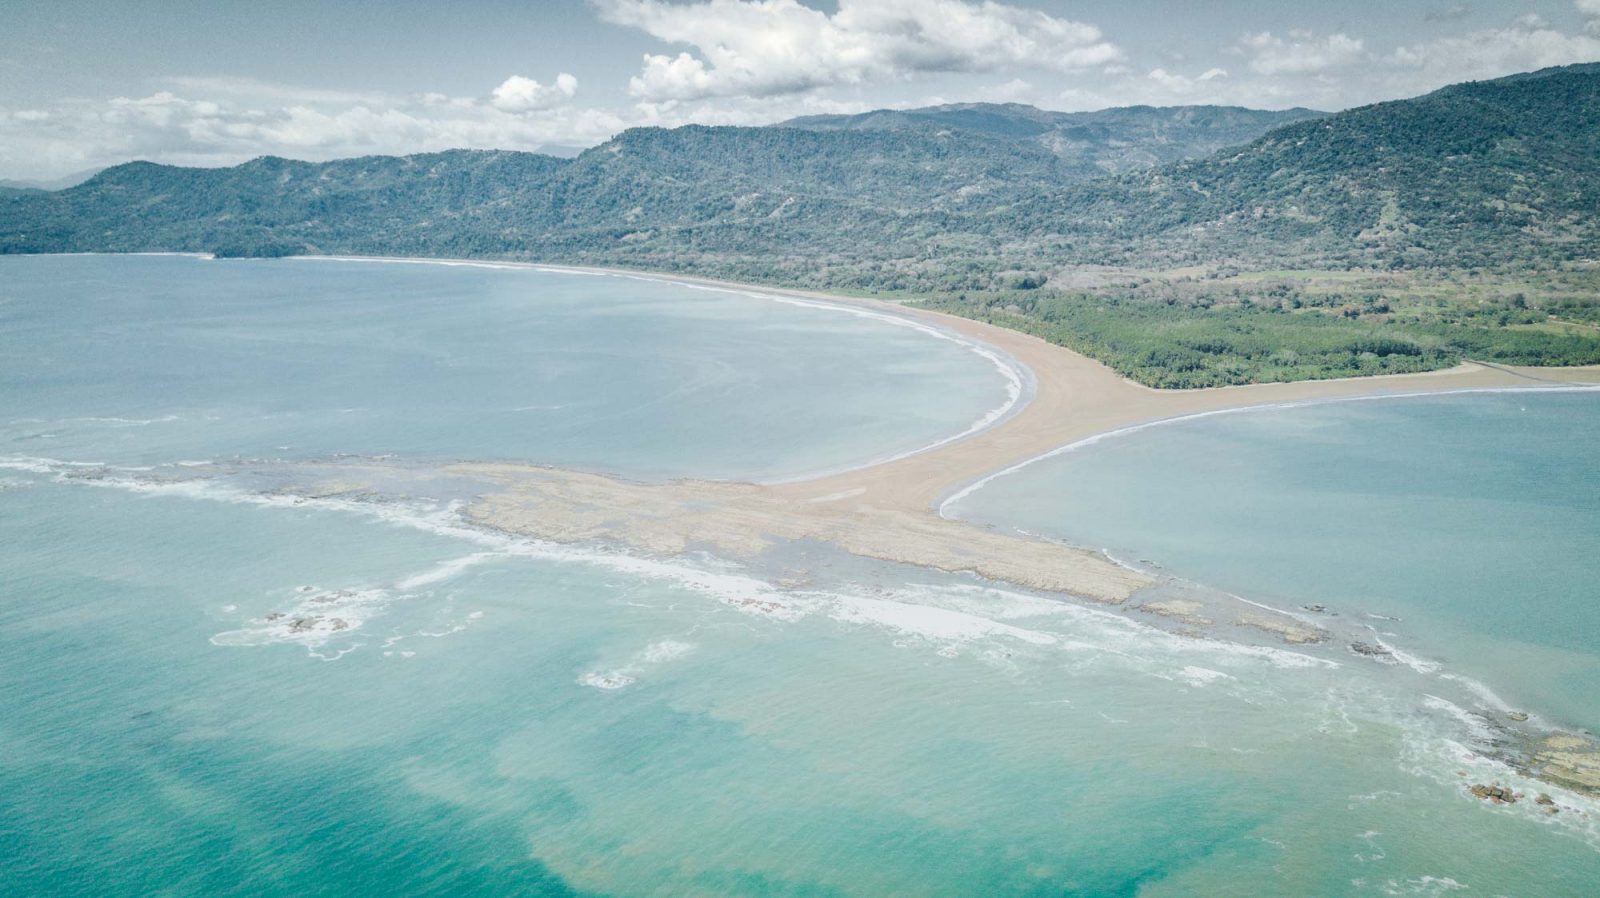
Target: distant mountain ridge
point(1487, 173)
point(61, 183)
point(1108, 141)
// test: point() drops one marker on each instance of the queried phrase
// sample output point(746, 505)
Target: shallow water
point(1473, 518)
point(508, 717)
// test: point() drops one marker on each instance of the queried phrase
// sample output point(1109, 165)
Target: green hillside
point(1093, 144)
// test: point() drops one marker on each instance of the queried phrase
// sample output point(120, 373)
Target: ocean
point(502, 716)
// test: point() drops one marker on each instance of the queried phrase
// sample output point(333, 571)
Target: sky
point(215, 82)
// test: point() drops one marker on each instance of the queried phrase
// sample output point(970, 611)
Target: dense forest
point(998, 211)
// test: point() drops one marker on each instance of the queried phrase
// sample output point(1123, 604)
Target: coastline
point(1073, 398)
point(886, 510)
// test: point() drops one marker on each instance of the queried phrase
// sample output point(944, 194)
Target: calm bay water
point(134, 359)
point(513, 718)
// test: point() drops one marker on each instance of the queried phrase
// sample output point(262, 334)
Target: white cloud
point(753, 62)
point(1183, 85)
point(227, 122)
point(519, 94)
point(1590, 10)
point(758, 48)
point(1519, 47)
point(1300, 52)
point(257, 89)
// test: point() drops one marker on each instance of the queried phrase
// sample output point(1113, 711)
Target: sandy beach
point(1075, 398)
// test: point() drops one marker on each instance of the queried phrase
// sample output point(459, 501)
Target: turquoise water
point(1473, 518)
point(509, 717)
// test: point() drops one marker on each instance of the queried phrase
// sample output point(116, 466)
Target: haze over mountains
point(1503, 172)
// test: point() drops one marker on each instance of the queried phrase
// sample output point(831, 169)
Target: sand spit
point(888, 510)
point(744, 520)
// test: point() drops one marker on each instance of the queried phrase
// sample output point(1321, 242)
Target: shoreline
point(1074, 398)
point(1065, 399)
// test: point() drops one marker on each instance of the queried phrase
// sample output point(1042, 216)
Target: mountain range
point(1502, 172)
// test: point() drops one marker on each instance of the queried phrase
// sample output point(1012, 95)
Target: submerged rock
point(1518, 716)
point(1289, 631)
point(1185, 610)
point(1569, 760)
point(1370, 650)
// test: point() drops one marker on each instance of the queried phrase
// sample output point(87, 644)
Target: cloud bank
point(761, 48)
point(213, 121)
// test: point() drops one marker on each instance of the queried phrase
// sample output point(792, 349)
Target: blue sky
point(86, 84)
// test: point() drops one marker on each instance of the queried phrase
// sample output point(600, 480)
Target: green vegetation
point(1395, 237)
point(1201, 332)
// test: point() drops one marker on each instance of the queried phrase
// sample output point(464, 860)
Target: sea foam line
point(947, 616)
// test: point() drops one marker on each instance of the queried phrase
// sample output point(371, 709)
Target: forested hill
point(1495, 173)
point(1110, 141)
point(1484, 173)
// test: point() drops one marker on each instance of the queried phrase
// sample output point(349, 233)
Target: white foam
point(312, 622)
point(1421, 885)
point(1473, 723)
point(656, 653)
point(1202, 676)
point(1484, 693)
point(118, 421)
point(1420, 665)
point(607, 681)
point(445, 570)
point(928, 622)
point(665, 650)
point(38, 465)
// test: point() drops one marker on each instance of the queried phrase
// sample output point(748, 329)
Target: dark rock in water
point(1517, 715)
point(1370, 650)
point(1496, 794)
point(1544, 799)
point(302, 624)
point(275, 615)
point(339, 624)
point(1316, 609)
